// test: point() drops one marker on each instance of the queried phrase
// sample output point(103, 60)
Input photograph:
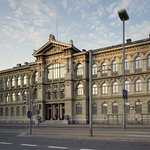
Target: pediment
point(51, 48)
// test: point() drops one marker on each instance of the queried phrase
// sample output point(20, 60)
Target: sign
point(29, 114)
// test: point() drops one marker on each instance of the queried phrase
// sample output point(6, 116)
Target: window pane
point(104, 68)
point(79, 69)
point(138, 63)
point(94, 71)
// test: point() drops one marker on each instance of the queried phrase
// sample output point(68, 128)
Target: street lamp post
point(123, 16)
point(90, 93)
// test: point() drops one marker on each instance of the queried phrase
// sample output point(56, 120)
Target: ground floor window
point(78, 109)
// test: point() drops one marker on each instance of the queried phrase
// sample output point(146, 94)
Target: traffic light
point(125, 94)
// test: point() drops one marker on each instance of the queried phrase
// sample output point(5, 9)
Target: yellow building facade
point(58, 85)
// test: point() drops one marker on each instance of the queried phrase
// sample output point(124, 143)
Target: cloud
point(139, 31)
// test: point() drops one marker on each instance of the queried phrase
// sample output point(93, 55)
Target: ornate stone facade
point(58, 82)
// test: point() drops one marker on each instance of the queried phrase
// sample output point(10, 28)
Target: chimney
point(128, 40)
point(18, 65)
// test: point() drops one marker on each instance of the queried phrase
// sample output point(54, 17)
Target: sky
point(25, 25)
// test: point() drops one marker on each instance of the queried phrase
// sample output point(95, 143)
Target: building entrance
point(55, 111)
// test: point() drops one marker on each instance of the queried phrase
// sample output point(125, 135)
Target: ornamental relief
point(56, 59)
point(54, 50)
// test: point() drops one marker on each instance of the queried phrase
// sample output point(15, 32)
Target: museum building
point(56, 85)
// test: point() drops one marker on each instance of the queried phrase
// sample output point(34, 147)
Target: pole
point(30, 107)
point(90, 93)
point(123, 70)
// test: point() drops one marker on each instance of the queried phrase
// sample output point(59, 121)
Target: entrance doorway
point(55, 111)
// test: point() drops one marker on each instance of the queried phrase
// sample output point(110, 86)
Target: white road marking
point(86, 149)
point(5, 143)
point(28, 145)
point(57, 147)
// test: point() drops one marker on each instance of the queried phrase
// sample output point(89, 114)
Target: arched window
point(138, 63)
point(23, 111)
point(80, 89)
point(79, 70)
point(25, 80)
point(104, 108)
point(104, 88)
point(18, 111)
point(127, 87)
point(138, 85)
point(13, 81)
point(18, 96)
point(115, 87)
point(24, 96)
point(19, 81)
point(8, 97)
point(94, 69)
point(138, 107)
point(94, 89)
point(7, 83)
point(115, 108)
point(115, 66)
point(126, 64)
point(148, 60)
point(13, 97)
point(104, 68)
point(36, 76)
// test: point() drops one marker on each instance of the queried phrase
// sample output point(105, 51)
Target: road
point(20, 139)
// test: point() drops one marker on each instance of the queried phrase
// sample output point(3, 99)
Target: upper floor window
point(148, 60)
point(94, 89)
point(18, 96)
point(104, 68)
point(56, 71)
point(115, 87)
point(1, 84)
point(115, 66)
point(2, 98)
point(25, 80)
point(94, 69)
point(13, 81)
point(126, 64)
point(138, 63)
point(80, 89)
point(127, 87)
point(19, 81)
point(104, 88)
point(138, 85)
point(79, 70)
point(7, 82)
point(8, 97)
point(13, 97)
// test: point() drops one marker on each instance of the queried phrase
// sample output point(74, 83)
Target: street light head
point(123, 15)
